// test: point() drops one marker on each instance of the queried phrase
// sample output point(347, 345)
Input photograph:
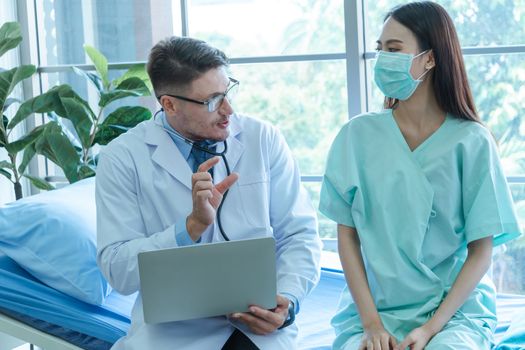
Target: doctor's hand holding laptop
point(234, 278)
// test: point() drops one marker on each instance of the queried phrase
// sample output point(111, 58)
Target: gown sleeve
point(487, 203)
point(338, 188)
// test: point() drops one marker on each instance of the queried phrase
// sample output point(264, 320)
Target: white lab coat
point(144, 188)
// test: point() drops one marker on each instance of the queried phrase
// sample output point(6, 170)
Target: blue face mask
point(392, 74)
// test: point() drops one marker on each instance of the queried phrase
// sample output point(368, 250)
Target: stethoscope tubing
point(209, 151)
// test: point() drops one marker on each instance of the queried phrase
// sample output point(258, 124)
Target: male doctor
point(156, 189)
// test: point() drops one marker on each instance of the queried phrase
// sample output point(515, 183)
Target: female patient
point(419, 197)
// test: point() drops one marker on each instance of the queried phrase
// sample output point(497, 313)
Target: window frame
point(356, 56)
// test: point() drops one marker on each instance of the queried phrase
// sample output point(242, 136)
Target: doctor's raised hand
point(206, 197)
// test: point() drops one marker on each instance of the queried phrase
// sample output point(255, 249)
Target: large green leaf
point(100, 62)
point(8, 102)
point(138, 71)
point(127, 116)
point(135, 84)
point(9, 79)
point(86, 171)
point(10, 36)
point(3, 133)
point(130, 87)
point(58, 148)
point(119, 121)
point(93, 78)
point(39, 183)
point(6, 173)
point(4, 164)
point(51, 101)
point(80, 117)
point(44, 103)
point(29, 153)
point(23, 142)
point(3, 127)
point(56, 93)
point(66, 91)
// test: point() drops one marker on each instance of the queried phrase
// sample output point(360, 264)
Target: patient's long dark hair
point(435, 30)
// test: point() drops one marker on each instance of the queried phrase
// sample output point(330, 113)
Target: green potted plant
point(75, 154)
point(13, 167)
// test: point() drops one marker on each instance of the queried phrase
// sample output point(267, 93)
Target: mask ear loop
point(421, 53)
point(424, 73)
point(427, 69)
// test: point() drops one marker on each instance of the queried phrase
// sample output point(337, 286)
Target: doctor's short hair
point(175, 62)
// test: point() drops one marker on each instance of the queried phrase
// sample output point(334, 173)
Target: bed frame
point(33, 336)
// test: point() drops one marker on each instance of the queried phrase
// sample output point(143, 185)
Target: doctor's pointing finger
point(206, 197)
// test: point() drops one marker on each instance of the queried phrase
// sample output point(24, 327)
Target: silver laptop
point(207, 280)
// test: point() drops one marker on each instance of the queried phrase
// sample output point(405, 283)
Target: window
point(278, 91)
point(269, 27)
point(305, 65)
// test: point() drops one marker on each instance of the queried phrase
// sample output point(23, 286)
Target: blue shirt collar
point(184, 147)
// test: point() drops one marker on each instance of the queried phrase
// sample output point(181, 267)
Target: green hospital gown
point(415, 212)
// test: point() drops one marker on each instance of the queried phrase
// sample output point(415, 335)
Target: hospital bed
point(30, 336)
point(48, 240)
point(40, 315)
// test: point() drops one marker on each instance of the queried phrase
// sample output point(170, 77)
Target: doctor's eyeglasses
point(214, 102)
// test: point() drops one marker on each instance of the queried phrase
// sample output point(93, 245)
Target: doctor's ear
point(167, 104)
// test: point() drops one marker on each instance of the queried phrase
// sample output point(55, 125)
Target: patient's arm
point(349, 247)
point(475, 267)
point(477, 263)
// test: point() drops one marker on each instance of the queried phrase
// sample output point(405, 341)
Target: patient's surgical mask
point(392, 74)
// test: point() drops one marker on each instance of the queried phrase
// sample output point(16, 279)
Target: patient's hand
point(376, 337)
point(417, 339)
point(262, 321)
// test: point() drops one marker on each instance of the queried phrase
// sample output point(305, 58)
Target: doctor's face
point(193, 120)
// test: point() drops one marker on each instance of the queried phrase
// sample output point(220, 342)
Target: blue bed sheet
point(22, 293)
point(317, 310)
point(511, 326)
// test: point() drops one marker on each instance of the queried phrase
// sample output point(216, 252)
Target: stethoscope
point(209, 151)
